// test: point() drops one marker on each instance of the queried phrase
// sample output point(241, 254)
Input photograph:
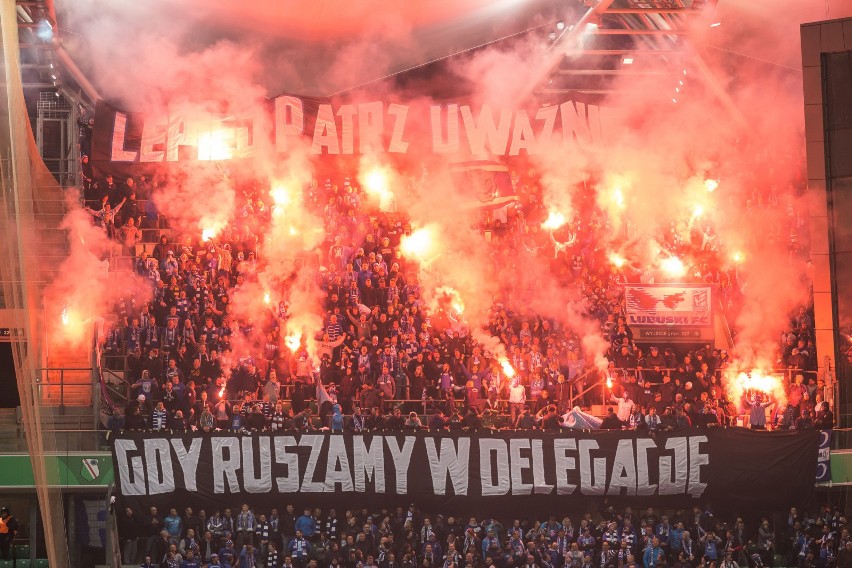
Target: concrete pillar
point(819, 38)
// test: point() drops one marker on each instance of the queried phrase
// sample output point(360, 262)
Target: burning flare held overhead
point(757, 381)
point(673, 267)
point(293, 341)
point(618, 198)
point(711, 185)
point(73, 328)
point(212, 224)
point(216, 145)
point(748, 384)
point(554, 220)
point(376, 182)
point(420, 244)
point(280, 195)
point(617, 260)
point(508, 370)
point(450, 297)
point(267, 299)
point(612, 195)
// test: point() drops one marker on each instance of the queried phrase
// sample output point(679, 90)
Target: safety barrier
point(53, 387)
point(582, 388)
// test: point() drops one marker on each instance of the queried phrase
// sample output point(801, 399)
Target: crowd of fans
point(386, 360)
point(383, 349)
point(409, 538)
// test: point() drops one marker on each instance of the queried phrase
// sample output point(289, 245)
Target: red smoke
point(647, 177)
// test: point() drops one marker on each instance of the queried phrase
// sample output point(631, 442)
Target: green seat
point(6, 564)
point(41, 563)
point(22, 551)
point(23, 563)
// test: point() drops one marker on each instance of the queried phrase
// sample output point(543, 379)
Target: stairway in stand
point(11, 438)
point(67, 376)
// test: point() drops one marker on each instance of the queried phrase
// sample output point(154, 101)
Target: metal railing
point(49, 378)
point(580, 380)
point(117, 386)
point(787, 373)
point(77, 439)
point(66, 440)
point(600, 383)
point(113, 542)
point(114, 366)
point(841, 439)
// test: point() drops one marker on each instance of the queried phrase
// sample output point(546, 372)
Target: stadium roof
point(627, 37)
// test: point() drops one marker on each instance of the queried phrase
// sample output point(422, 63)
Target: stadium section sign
point(731, 467)
point(680, 313)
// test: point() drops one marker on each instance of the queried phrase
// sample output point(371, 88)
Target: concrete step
point(53, 256)
point(50, 250)
point(59, 384)
point(51, 236)
point(56, 241)
point(51, 207)
point(8, 417)
point(49, 414)
point(11, 434)
point(54, 217)
point(70, 421)
point(62, 354)
point(67, 396)
point(18, 445)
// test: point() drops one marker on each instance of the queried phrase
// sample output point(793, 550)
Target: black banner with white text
point(726, 467)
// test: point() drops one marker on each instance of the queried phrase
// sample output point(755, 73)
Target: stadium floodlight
point(560, 25)
point(627, 60)
point(551, 36)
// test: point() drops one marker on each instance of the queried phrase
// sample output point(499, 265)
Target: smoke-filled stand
point(541, 283)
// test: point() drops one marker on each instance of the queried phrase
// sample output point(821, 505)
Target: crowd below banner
point(381, 344)
point(376, 537)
